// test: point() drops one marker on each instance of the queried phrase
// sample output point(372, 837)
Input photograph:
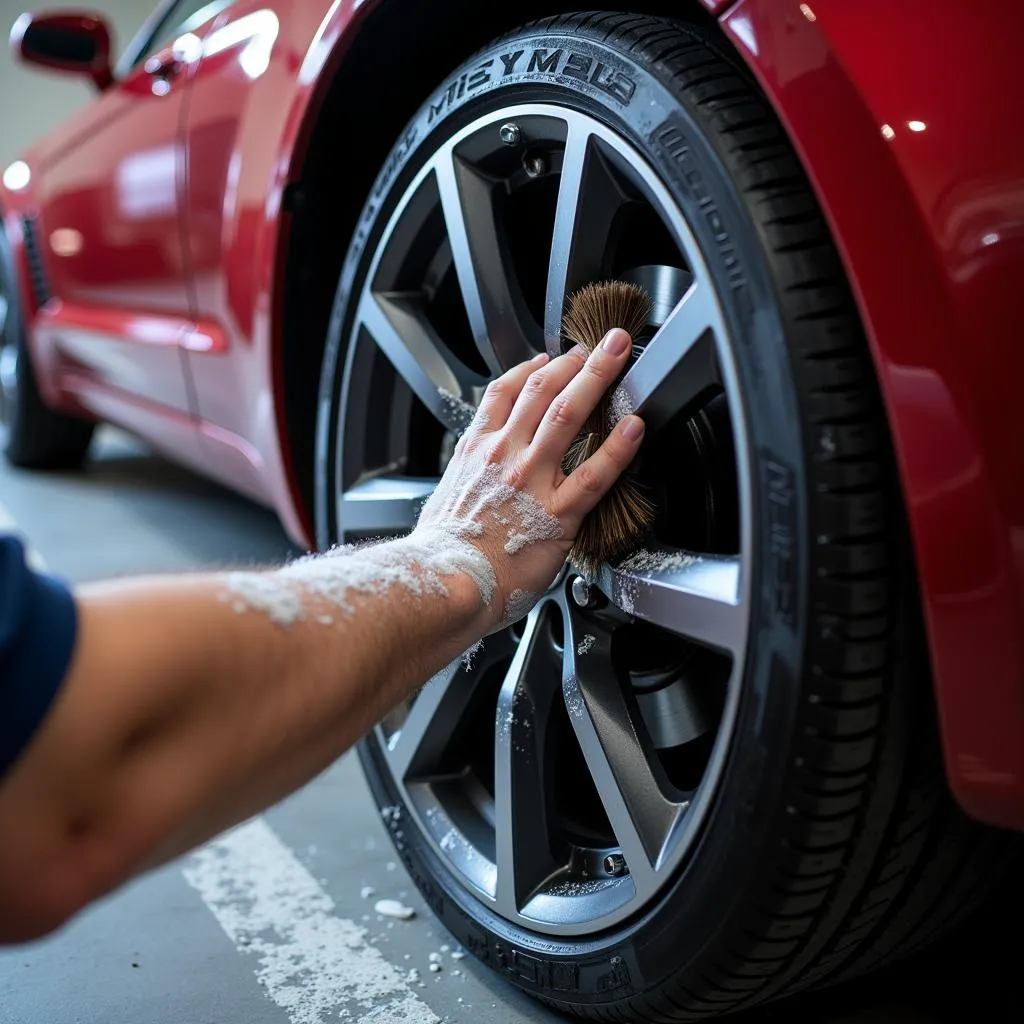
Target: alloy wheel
point(562, 772)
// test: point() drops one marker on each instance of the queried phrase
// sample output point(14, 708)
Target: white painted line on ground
point(8, 524)
point(316, 966)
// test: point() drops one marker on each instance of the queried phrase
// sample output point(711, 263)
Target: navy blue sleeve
point(38, 623)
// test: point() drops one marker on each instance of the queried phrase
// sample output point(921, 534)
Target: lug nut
point(581, 592)
point(535, 164)
point(615, 864)
point(511, 134)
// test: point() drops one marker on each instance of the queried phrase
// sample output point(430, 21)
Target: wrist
point(469, 616)
point(467, 584)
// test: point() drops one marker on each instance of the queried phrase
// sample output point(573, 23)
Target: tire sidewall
point(708, 898)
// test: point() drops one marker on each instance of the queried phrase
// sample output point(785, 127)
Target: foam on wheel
point(785, 821)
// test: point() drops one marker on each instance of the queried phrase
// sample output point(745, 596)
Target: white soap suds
point(642, 563)
point(367, 891)
point(518, 606)
point(583, 647)
point(413, 975)
point(459, 410)
point(646, 562)
point(417, 564)
point(535, 523)
point(435, 958)
point(467, 658)
point(581, 887)
point(574, 700)
point(435, 968)
point(619, 407)
point(393, 908)
point(474, 496)
point(264, 593)
point(459, 954)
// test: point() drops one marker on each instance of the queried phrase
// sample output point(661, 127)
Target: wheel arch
point(321, 216)
point(972, 614)
point(913, 258)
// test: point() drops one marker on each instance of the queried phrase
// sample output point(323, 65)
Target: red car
point(290, 241)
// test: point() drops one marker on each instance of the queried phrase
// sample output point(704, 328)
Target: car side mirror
point(77, 42)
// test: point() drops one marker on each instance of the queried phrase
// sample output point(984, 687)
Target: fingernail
point(615, 342)
point(632, 428)
point(541, 358)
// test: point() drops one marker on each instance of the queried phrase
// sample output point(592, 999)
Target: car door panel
point(111, 233)
point(112, 230)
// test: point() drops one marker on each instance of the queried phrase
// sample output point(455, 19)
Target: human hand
point(504, 490)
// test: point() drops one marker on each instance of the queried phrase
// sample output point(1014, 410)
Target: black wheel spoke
point(589, 198)
point(415, 748)
point(521, 829)
point(417, 743)
point(641, 816)
point(494, 304)
point(441, 381)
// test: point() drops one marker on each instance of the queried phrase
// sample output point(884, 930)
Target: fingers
point(588, 484)
point(542, 387)
point(501, 394)
point(566, 414)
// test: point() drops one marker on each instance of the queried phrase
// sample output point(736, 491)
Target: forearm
point(193, 703)
point(188, 708)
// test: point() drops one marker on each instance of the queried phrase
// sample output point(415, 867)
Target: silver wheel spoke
point(588, 200)
point(520, 815)
point(679, 364)
point(697, 597)
point(494, 305)
point(441, 381)
point(388, 504)
point(641, 817)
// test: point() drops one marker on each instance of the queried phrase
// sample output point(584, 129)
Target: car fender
point(903, 116)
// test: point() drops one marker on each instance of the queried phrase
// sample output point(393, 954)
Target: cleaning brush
point(620, 519)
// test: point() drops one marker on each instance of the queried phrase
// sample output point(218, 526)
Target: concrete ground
point(248, 930)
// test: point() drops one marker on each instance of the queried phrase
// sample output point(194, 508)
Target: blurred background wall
point(33, 102)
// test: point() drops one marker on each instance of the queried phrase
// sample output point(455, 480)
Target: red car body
point(152, 236)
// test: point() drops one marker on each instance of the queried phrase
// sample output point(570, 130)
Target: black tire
point(37, 437)
point(833, 845)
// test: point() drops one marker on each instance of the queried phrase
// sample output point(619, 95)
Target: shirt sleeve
point(38, 623)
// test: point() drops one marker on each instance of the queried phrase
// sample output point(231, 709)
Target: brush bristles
point(596, 308)
point(616, 526)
